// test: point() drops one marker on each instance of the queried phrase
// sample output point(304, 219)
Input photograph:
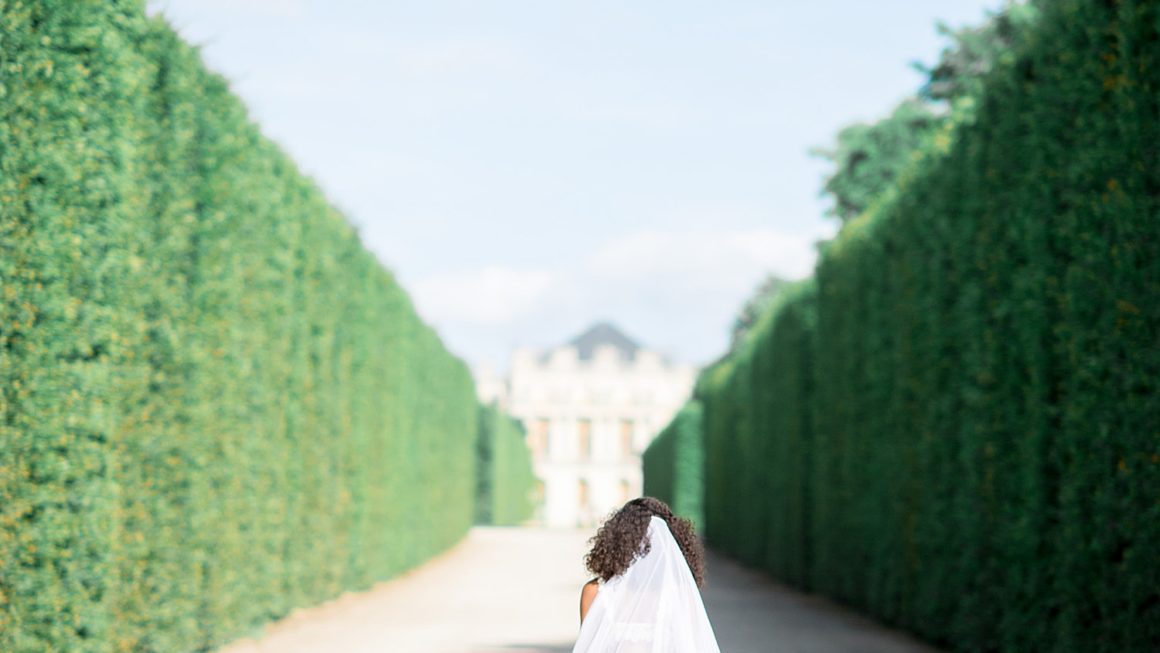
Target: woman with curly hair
point(645, 598)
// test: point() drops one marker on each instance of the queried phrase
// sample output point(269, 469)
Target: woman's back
point(653, 606)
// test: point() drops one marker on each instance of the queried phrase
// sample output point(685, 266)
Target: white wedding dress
point(653, 607)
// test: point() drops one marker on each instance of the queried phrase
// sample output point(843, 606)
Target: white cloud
point(493, 295)
point(677, 290)
point(720, 258)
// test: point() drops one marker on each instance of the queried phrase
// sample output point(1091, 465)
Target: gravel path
point(517, 591)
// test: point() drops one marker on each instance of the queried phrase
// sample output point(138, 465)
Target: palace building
point(589, 408)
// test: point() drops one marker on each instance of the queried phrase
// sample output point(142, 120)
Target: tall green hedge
point(766, 388)
point(956, 428)
point(504, 480)
point(215, 405)
point(674, 464)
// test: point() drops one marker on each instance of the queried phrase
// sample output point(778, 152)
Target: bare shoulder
point(587, 595)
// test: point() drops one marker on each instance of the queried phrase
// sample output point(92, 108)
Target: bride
point(645, 597)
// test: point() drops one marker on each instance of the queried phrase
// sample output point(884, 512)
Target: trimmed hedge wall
point(674, 465)
point(956, 428)
point(766, 388)
point(215, 405)
point(504, 479)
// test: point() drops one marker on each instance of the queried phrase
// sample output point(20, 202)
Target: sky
point(527, 168)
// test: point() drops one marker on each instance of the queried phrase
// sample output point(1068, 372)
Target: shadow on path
point(752, 613)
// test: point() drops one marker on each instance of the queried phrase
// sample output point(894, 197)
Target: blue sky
point(527, 168)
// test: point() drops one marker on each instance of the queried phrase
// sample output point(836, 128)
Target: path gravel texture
point(517, 590)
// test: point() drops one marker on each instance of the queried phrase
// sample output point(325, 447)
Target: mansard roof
point(603, 333)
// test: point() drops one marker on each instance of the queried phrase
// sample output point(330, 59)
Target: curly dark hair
point(621, 540)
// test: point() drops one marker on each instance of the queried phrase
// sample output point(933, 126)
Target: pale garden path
point(517, 591)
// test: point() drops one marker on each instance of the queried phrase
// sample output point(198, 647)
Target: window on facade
point(582, 493)
point(584, 431)
point(626, 437)
point(539, 438)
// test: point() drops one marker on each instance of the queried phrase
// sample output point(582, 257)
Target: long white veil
point(653, 607)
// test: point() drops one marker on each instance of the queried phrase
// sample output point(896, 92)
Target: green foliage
point(215, 405)
point(975, 51)
point(757, 495)
point(956, 429)
point(504, 480)
point(868, 158)
point(757, 305)
point(674, 464)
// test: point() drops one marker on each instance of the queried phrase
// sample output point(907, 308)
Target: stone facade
point(589, 408)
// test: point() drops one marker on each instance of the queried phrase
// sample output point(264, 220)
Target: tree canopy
point(868, 158)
